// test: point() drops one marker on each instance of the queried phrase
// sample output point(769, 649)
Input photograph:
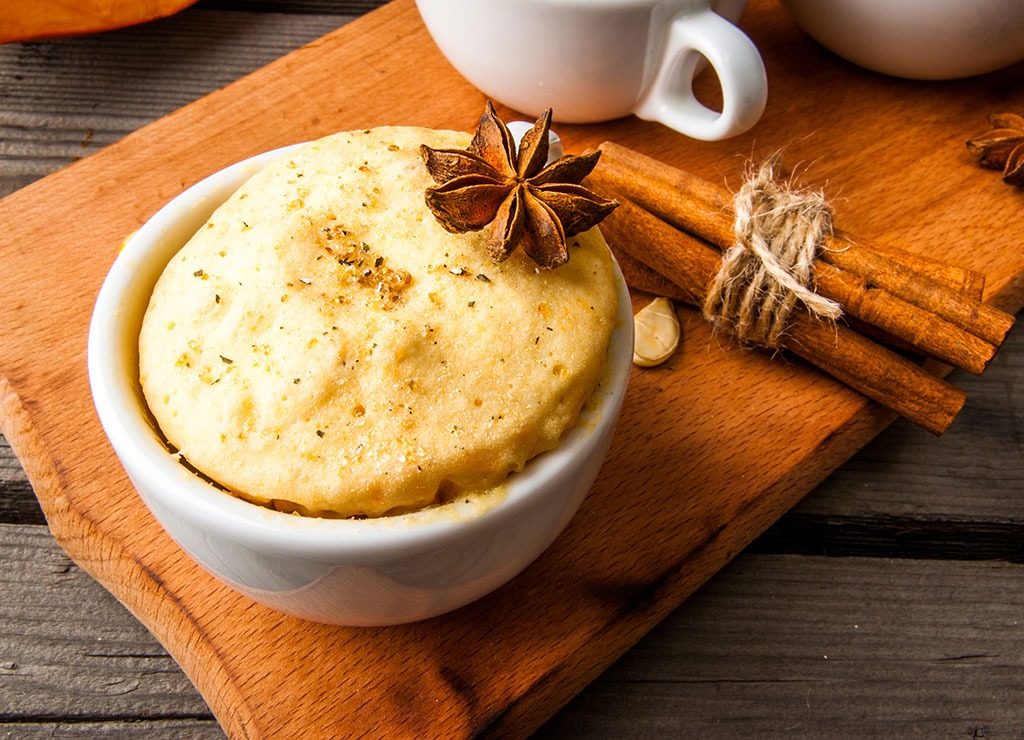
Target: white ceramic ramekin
point(351, 572)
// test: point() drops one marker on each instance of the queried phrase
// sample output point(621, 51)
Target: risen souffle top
point(323, 346)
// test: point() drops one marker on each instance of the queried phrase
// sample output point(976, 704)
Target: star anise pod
point(1002, 146)
point(526, 201)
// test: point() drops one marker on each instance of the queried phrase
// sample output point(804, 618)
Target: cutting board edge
point(143, 594)
point(139, 591)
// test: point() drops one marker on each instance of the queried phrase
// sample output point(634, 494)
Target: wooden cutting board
point(710, 450)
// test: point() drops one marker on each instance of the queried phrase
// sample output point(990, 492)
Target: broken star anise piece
point(526, 201)
point(1002, 146)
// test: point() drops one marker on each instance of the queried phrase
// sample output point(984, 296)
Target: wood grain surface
point(749, 435)
point(928, 655)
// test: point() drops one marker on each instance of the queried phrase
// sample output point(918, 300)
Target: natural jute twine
point(778, 231)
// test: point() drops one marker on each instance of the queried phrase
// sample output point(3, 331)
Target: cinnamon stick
point(643, 277)
point(865, 366)
point(968, 283)
point(696, 205)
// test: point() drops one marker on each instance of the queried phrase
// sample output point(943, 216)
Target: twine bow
point(770, 268)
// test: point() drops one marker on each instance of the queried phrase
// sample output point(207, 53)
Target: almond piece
point(657, 333)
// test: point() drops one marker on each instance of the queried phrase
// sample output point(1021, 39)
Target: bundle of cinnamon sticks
point(669, 233)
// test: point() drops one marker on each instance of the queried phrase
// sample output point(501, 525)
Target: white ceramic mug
point(597, 60)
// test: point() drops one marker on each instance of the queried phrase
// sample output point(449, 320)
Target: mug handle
point(737, 62)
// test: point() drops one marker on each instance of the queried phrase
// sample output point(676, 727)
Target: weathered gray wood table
point(889, 603)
